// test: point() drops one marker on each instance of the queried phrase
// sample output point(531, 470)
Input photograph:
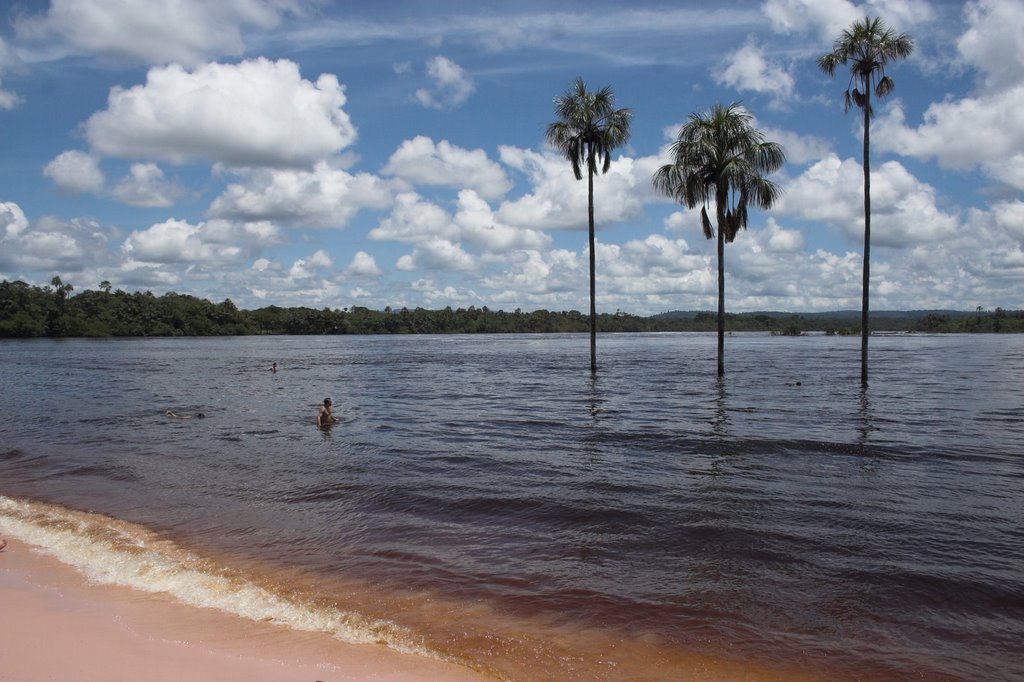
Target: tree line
point(28, 311)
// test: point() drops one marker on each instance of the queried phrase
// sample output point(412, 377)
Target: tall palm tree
point(588, 128)
point(719, 156)
point(868, 46)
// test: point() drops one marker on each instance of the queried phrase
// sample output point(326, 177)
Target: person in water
point(184, 416)
point(273, 368)
point(324, 417)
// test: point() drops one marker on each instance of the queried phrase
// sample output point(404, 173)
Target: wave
point(115, 552)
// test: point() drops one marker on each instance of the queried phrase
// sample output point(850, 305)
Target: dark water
point(484, 500)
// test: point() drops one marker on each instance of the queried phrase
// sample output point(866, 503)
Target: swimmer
point(324, 416)
point(199, 415)
point(273, 368)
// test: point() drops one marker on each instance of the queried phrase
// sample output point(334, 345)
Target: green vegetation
point(588, 128)
point(867, 46)
point(720, 156)
point(31, 311)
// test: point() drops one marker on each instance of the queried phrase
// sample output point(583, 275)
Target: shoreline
point(103, 633)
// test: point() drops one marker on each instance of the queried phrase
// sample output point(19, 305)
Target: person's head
point(201, 416)
point(327, 402)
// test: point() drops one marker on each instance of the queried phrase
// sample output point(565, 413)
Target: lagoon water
point(484, 499)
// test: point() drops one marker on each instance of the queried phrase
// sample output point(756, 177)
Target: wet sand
point(56, 625)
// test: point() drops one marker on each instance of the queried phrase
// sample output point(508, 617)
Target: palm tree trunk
point(721, 200)
point(864, 329)
point(593, 265)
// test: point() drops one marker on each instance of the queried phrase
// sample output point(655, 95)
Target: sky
point(338, 154)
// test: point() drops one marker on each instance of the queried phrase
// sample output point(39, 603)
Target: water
point(485, 500)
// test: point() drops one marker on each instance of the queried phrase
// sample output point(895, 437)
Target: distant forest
point(28, 311)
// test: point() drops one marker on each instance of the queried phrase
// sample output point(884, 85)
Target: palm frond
point(717, 153)
point(705, 223)
point(868, 45)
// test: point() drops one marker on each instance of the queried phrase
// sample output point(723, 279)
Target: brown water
point(484, 500)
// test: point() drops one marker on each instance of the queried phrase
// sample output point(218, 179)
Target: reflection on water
point(497, 504)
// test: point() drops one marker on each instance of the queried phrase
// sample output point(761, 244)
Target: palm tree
point(588, 128)
point(719, 156)
point(868, 46)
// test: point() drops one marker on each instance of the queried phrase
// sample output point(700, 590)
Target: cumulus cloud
point(799, 148)
point(827, 18)
point(540, 273)
point(217, 242)
point(450, 87)
point(903, 209)
point(255, 113)
point(559, 201)
point(994, 41)
point(416, 220)
point(422, 162)
point(48, 244)
point(307, 281)
point(747, 69)
point(306, 268)
point(436, 254)
point(147, 187)
point(984, 130)
point(971, 132)
point(75, 172)
point(12, 219)
point(324, 197)
point(363, 265)
point(8, 99)
point(184, 31)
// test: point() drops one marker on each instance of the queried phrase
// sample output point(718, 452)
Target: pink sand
point(54, 625)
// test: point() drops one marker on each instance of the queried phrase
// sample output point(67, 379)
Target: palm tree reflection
point(720, 418)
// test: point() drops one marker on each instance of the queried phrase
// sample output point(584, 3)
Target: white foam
point(107, 552)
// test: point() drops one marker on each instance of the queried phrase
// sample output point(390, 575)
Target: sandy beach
point(58, 626)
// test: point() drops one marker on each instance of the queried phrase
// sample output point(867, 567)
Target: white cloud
point(747, 69)
point(1009, 215)
point(436, 254)
point(216, 243)
point(827, 18)
point(535, 273)
point(799, 148)
point(146, 186)
point(478, 225)
point(324, 197)
point(363, 265)
point(48, 244)
point(184, 31)
point(559, 201)
point(994, 41)
point(903, 209)
point(307, 268)
point(420, 161)
point(12, 219)
point(74, 171)
point(172, 241)
point(415, 220)
point(985, 132)
point(8, 99)
point(451, 84)
point(255, 113)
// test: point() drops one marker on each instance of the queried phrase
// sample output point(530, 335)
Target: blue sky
point(392, 153)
